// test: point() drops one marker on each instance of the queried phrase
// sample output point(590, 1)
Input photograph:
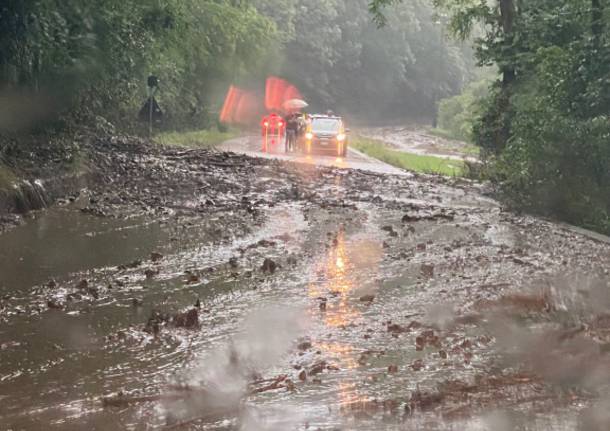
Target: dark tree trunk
point(507, 16)
point(597, 21)
point(507, 19)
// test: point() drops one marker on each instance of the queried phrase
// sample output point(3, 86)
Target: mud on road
point(218, 291)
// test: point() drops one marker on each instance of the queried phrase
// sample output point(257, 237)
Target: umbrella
point(295, 104)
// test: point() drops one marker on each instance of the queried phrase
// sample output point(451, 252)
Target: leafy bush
point(77, 59)
point(458, 114)
point(557, 160)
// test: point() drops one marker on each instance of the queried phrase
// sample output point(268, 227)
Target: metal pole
point(150, 111)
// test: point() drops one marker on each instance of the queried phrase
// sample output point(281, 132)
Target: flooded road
point(274, 295)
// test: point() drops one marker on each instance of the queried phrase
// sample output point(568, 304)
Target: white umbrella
point(295, 104)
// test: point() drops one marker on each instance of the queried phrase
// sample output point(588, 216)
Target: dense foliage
point(340, 59)
point(78, 59)
point(545, 127)
point(457, 115)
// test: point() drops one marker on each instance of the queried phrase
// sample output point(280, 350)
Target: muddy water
point(323, 319)
point(59, 242)
point(56, 364)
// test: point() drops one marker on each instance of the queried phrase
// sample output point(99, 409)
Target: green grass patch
point(408, 161)
point(194, 139)
point(6, 178)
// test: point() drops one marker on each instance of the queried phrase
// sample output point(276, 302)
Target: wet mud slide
point(197, 290)
point(417, 140)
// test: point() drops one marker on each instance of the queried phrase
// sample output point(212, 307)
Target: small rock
point(408, 218)
point(155, 257)
point(466, 344)
point(192, 278)
point(303, 375)
point(390, 230)
point(317, 368)
point(367, 298)
point(427, 270)
point(305, 345)
point(269, 266)
point(393, 369)
point(395, 328)
point(150, 273)
point(54, 305)
point(82, 285)
point(417, 365)
point(188, 320)
point(94, 292)
point(156, 320)
point(289, 385)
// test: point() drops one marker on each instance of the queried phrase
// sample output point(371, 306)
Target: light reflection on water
point(343, 275)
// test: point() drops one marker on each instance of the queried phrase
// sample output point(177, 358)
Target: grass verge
point(412, 162)
point(194, 139)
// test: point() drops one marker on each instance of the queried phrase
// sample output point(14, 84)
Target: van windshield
point(325, 125)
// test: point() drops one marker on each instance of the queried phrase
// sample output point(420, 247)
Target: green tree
point(546, 125)
point(92, 58)
point(341, 60)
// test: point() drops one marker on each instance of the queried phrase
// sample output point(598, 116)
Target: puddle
point(62, 241)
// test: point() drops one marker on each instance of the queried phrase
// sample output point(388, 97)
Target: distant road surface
point(253, 146)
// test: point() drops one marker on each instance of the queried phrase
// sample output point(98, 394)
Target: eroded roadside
point(271, 295)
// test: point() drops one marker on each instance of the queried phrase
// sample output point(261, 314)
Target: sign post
point(153, 86)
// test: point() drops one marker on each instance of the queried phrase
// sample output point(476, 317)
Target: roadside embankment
point(47, 173)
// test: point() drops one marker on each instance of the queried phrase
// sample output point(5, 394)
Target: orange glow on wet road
point(339, 275)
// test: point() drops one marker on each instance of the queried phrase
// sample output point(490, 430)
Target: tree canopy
point(87, 57)
point(546, 126)
point(92, 58)
point(340, 58)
